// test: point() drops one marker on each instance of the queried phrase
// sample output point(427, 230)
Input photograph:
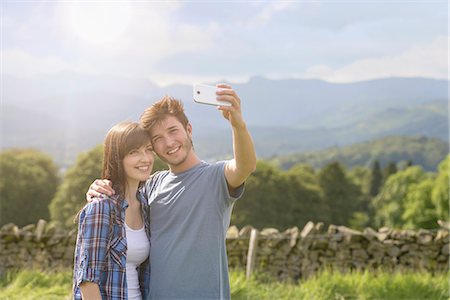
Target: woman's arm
point(90, 291)
point(93, 237)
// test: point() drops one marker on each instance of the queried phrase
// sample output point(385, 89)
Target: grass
point(34, 284)
point(356, 285)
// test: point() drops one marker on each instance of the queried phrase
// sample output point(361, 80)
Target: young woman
point(113, 243)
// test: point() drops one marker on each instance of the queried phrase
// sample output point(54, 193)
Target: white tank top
point(138, 249)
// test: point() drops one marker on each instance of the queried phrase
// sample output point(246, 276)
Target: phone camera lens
point(198, 92)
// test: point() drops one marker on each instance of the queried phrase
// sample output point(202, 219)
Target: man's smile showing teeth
point(173, 151)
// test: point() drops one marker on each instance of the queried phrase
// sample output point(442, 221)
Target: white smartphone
point(206, 94)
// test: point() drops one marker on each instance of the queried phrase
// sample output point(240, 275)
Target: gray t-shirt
point(190, 214)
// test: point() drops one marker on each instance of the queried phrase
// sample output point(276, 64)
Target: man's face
point(171, 141)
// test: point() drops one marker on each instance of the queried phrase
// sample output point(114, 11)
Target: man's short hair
point(158, 111)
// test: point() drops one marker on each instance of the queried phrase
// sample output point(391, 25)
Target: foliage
point(71, 194)
point(389, 169)
point(277, 199)
point(28, 182)
point(410, 198)
point(360, 176)
point(424, 151)
point(390, 204)
point(35, 284)
point(441, 190)
point(376, 179)
point(419, 211)
point(341, 195)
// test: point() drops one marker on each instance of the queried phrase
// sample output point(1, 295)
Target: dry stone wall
point(292, 254)
point(298, 254)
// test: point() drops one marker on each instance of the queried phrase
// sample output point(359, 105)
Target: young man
point(191, 203)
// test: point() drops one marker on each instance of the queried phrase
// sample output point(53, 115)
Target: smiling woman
point(99, 22)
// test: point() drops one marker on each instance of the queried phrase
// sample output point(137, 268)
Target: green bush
point(28, 182)
point(71, 194)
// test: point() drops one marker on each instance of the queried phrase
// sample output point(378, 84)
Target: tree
point(71, 194)
point(441, 189)
point(309, 204)
point(342, 196)
point(276, 199)
point(376, 179)
point(389, 204)
point(419, 209)
point(390, 169)
point(305, 173)
point(361, 177)
point(28, 182)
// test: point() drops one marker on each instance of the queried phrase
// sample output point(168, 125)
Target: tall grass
point(34, 284)
point(356, 285)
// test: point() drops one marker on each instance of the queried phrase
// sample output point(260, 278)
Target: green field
point(359, 285)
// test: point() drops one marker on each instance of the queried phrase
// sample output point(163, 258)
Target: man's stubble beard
point(187, 146)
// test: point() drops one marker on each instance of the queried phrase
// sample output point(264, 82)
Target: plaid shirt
point(101, 249)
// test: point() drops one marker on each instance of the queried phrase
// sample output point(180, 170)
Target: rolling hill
point(65, 114)
point(420, 150)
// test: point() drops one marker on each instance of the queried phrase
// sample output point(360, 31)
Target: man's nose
point(169, 142)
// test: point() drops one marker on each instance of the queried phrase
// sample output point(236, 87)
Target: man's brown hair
point(165, 107)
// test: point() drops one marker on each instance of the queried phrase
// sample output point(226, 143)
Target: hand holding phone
point(206, 94)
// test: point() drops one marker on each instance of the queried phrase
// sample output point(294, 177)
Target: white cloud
point(267, 13)
point(427, 60)
point(149, 36)
point(19, 63)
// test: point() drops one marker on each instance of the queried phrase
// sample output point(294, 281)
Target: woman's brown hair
point(119, 141)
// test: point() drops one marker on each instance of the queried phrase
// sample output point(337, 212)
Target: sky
point(169, 42)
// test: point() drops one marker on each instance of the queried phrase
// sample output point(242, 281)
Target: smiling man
point(191, 203)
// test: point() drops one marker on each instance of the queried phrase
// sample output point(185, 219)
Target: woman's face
point(138, 163)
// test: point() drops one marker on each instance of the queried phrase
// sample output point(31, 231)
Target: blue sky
point(189, 41)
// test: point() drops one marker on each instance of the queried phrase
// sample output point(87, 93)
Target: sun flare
point(99, 22)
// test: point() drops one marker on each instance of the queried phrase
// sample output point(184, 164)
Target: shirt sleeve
point(236, 193)
point(93, 235)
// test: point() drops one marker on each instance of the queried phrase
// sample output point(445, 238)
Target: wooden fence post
point(252, 249)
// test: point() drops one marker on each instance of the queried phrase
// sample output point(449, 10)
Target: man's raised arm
point(244, 161)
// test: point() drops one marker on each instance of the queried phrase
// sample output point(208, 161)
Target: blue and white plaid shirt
point(101, 249)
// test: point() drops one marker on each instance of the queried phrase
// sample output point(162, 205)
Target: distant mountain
point(426, 120)
point(423, 151)
point(67, 113)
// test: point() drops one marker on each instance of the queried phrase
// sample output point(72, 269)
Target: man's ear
point(189, 130)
